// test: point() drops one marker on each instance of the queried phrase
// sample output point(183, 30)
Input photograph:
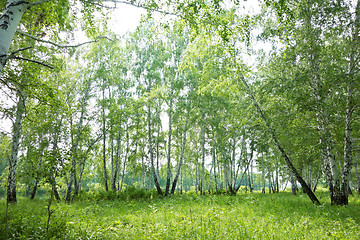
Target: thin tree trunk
point(183, 143)
point(11, 187)
point(157, 185)
point(202, 190)
point(195, 178)
point(262, 173)
point(135, 154)
point(293, 184)
point(143, 172)
point(277, 175)
point(357, 174)
point(104, 140)
point(158, 142)
point(213, 154)
point(117, 159)
point(126, 156)
point(251, 177)
point(37, 178)
point(168, 169)
point(209, 185)
point(244, 172)
point(75, 143)
point(269, 179)
point(181, 180)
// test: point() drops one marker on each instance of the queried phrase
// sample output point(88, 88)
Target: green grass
point(187, 216)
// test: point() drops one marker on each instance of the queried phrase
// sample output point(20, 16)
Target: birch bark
point(11, 187)
point(183, 142)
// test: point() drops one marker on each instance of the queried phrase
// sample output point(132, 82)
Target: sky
point(127, 17)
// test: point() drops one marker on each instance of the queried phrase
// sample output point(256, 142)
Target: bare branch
point(60, 45)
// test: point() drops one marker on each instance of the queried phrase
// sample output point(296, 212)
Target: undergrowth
point(137, 214)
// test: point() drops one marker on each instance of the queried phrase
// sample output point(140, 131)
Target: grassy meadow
point(142, 215)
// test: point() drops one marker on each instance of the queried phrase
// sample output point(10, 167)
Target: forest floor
point(186, 216)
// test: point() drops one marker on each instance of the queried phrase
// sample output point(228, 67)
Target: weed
point(134, 214)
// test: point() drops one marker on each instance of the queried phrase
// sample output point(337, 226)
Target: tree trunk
point(350, 107)
point(135, 154)
point(247, 164)
point(195, 178)
point(9, 22)
point(158, 142)
point(104, 140)
point(75, 143)
point(143, 172)
point(37, 178)
point(117, 159)
point(288, 162)
point(126, 156)
point(11, 187)
point(202, 190)
point(357, 174)
point(293, 184)
point(157, 185)
point(269, 179)
point(181, 180)
point(168, 169)
point(262, 173)
point(213, 155)
point(251, 177)
point(277, 175)
point(209, 185)
point(183, 143)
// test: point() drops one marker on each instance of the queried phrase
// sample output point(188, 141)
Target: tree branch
point(60, 45)
point(38, 2)
point(33, 61)
point(138, 5)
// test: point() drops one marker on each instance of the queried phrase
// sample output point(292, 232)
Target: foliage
point(187, 216)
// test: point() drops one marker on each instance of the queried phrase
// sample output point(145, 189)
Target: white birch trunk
point(11, 188)
point(9, 22)
point(168, 169)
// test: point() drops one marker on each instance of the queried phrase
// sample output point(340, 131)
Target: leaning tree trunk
point(183, 142)
point(236, 189)
point(288, 162)
point(11, 187)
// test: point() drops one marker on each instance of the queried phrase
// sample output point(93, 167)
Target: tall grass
point(187, 216)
